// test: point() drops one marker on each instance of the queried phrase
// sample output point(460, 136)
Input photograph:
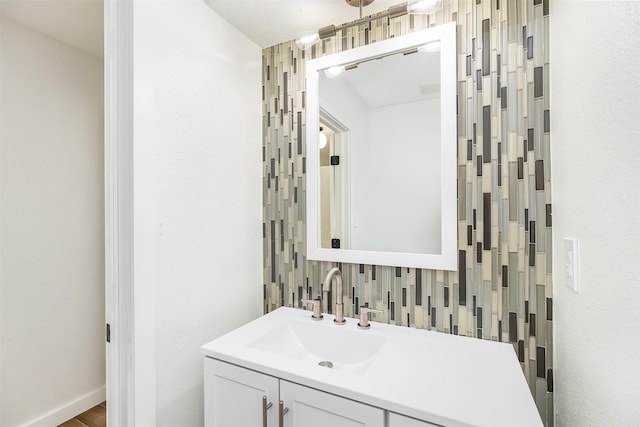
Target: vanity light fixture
point(308, 38)
point(334, 71)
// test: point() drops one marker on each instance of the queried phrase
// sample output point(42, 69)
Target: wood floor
point(94, 417)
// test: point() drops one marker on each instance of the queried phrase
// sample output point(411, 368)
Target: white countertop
point(440, 378)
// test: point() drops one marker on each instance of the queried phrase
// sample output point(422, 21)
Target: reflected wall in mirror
point(383, 189)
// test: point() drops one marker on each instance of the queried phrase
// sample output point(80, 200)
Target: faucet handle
point(317, 315)
point(364, 316)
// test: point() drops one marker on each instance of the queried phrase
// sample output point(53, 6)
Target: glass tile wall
point(503, 288)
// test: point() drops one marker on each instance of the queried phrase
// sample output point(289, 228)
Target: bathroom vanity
point(287, 369)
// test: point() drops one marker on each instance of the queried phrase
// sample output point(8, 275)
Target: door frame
point(118, 163)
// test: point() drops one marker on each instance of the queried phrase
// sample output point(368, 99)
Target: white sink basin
point(321, 342)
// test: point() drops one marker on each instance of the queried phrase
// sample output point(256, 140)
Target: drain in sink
point(326, 364)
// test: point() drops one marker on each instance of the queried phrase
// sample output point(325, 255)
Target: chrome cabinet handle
point(282, 411)
point(265, 407)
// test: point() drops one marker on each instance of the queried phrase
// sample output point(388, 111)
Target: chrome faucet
point(335, 272)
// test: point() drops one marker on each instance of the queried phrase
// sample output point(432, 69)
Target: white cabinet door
point(308, 407)
point(233, 396)
point(396, 420)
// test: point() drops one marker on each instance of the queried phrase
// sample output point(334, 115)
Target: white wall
point(400, 159)
point(197, 198)
point(595, 104)
point(51, 229)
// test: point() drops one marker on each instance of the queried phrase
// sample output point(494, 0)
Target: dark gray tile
point(520, 168)
point(285, 90)
point(503, 97)
point(462, 278)
point(547, 121)
point(530, 47)
point(505, 276)
point(273, 251)
point(532, 255)
point(539, 175)
point(418, 286)
point(532, 324)
point(548, 214)
point(541, 362)
point(532, 231)
point(486, 47)
point(486, 220)
point(486, 133)
point(521, 351)
point(538, 83)
point(513, 327)
point(299, 132)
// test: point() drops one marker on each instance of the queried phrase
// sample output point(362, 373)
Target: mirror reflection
point(380, 166)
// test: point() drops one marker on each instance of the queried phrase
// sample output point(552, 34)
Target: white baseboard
point(69, 410)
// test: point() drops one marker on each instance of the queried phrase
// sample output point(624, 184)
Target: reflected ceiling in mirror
point(383, 190)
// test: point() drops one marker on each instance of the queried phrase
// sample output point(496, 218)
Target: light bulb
point(424, 6)
point(307, 39)
point(322, 141)
point(334, 71)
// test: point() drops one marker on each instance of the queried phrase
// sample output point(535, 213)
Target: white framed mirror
point(381, 153)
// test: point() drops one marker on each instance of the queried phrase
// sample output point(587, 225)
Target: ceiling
point(269, 22)
point(78, 23)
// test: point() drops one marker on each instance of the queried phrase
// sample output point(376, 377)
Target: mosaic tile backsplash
point(503, 288)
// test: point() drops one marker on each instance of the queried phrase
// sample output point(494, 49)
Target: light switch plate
point(571, 263)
